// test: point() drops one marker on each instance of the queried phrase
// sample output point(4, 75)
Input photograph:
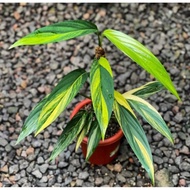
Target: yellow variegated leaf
point(135, 137)
point(150, 114)
point(121, 100)
point(60, 97)
point(102, 92)
point(146, 90)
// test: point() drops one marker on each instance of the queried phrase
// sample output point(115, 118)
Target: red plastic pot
point(106, 150)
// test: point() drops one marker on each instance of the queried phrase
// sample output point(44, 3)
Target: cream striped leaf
point(60, 97)
point(31, 123)
point(135, 137)
point(93, 139)
point(150, 114)
point(142, 56)
point(69, 133)
point(57, 32)
point(146, 90)
point(102, 92)
point(85, 130)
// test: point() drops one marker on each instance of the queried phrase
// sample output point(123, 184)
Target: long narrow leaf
point(93, 139)
point(142, 56)
point(102, 92)
point(146, 90)
point(135, 136)
point(60, 97)
point(31, 122)
point(85, 130)
point(70, 132)
point(150, 114)
point(57, 32)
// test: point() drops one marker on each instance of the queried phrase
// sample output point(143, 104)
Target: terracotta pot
point(106, 150)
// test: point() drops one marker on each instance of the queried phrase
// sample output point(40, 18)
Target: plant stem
point(99, 39)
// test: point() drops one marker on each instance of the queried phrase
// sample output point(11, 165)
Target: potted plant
point(105, 100)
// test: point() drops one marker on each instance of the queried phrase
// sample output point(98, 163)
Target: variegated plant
point(105, 99)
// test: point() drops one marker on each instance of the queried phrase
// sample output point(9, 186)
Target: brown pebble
point(131, 160)
point(4, 169)
point(16, 15)
point(182, 182)
point(110, 167)
point(30, 150)
point(117, 167)
point(86, 16)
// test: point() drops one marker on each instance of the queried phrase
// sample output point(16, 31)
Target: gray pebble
point(40, 160)
point(3, 142)
point(157, 160)
point(121, 178)
point(13, 169)
point(83, 175)
point(37, 174)
point(43, 168)
point(184, 166)
point(62, 164)
point(79, 183)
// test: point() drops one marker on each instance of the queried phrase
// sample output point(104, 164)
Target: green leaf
point(57, 32)
point(150, 114)
point(135, 136)
point(85, 130)
point(93, 139)
point(102, 92)
point(60, 97)
point(142, 56)
point(146, 90)
point(31, 123)
point(69, 133)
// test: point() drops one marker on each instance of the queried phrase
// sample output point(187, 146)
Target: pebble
point(83, 175)
point(3, 142)
point(121, 178)
point(43, 168)
point(37, 174)
point(98, 181)
point(117, 167)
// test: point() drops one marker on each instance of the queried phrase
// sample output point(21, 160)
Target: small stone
point(134, 78)
point(185, 166)
point(62, 164)
point(178, 117)
point(162, 178)
point(13, 169)
point(12, 110)
point(121, 178)
point(117, 167)
point(30, 150)
point(37, 174)
point(79, 183)
point(182, 135)
point(98, 181)
point(86, 16)
point(36, 144)
point(184, 150)
point(175, 179)
point(16, 15)
point(173, 169)
point(43, 168)
point(83, 175)
point(110, 167)
point(3, 142)
point(4, 169)
point(23, 165)
point(158, 160)
point(182, 183)
point(187, 141)
point(40, 160)
point(54, 65)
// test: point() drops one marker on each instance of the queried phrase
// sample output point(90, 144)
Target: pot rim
point(107, 141)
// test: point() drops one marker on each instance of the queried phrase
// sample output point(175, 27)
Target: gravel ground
point(27, 74)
